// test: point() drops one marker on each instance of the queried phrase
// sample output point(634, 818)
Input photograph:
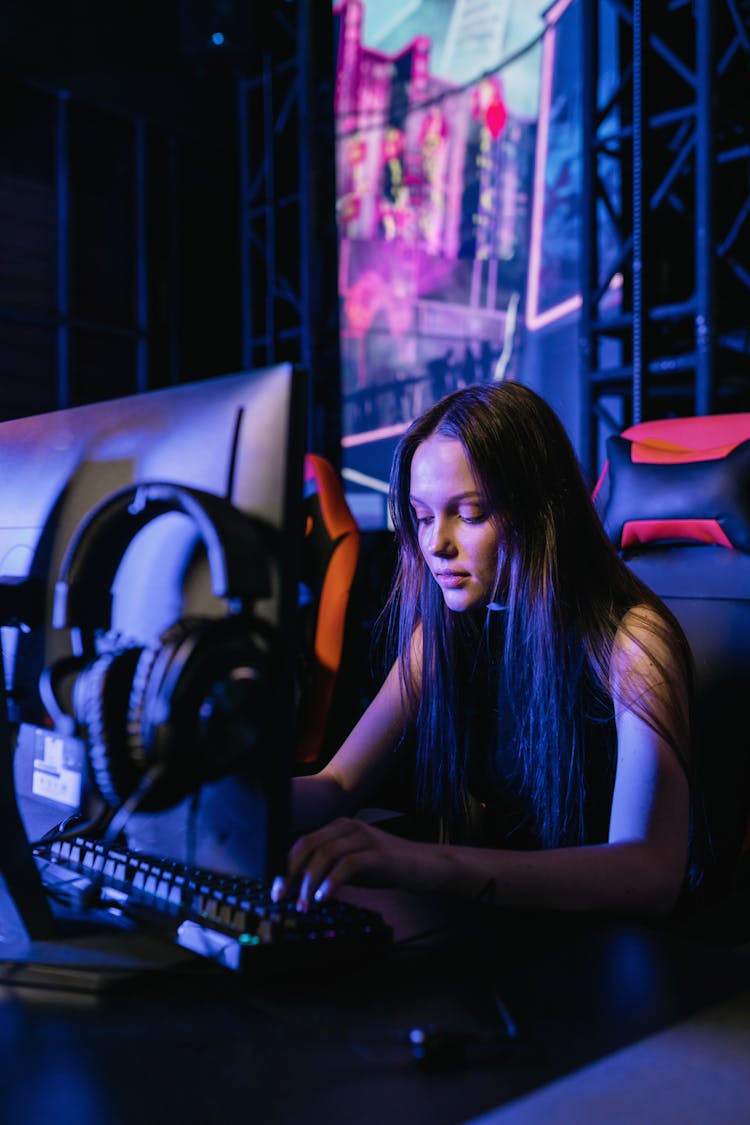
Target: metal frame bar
point(62, 295)
point(676, 161)
point(286, 314)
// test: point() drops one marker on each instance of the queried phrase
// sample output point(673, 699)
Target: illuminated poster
point(554, 282)
point(436, 114)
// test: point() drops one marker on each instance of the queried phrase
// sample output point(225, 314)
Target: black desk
point(333, 1048)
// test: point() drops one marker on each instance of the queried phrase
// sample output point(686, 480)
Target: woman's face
point(459, 538)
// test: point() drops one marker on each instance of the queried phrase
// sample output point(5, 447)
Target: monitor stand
point(42, 950)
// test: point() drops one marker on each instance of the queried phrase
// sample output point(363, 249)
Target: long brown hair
point(565, 593)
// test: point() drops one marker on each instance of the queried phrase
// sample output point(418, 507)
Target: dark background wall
point(119, 259)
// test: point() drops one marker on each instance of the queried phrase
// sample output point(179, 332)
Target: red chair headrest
point(685, 479)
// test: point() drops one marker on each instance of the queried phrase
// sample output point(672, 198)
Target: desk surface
point(333, 1047)
point(693, 1072)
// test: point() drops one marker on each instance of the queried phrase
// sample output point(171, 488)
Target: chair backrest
point(330, 551)
point(675, 498)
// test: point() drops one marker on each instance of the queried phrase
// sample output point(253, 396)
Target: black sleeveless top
point(500, 811)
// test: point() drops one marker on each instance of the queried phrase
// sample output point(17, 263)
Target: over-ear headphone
point(163, 717)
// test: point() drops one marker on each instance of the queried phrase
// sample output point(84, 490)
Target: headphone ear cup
point(100, 699)
point(197, 701)
point(149, 709)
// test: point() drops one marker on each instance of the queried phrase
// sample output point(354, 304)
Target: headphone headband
point(236, 544)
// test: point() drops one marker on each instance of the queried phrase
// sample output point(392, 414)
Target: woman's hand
point(347, 851)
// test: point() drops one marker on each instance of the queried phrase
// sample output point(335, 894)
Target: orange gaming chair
point(330, 552)
point(675, 498)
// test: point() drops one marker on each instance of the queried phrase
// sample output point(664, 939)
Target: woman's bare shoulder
point(646, 650)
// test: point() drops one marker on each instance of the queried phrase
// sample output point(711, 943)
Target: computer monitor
point(142, 494)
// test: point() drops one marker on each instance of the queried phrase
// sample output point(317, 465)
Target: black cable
point(61, 832)
point(133, 802)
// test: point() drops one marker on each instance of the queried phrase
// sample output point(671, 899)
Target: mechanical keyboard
point(227, 918)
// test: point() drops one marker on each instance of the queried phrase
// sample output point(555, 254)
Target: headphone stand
point(23, 903)
point(36, 948)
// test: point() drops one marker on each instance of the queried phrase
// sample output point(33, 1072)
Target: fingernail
point(277, 889)
point(303, 899)
point(323, 890)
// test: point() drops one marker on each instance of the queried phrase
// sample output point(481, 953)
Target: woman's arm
point(641, 867)
point(342, 785)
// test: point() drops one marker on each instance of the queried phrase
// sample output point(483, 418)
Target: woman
point(547, 689)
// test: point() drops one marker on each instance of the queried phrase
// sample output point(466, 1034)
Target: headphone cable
point(131, 804)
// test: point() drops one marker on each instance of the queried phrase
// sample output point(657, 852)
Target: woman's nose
point(440, 541)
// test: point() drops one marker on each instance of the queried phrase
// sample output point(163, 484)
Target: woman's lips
point(451, 578)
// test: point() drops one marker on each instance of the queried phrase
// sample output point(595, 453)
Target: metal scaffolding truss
point(287, 201)
point(664, 325)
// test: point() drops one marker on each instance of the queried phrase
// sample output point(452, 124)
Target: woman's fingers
point(324, 860)
point(309, 854)
point(340, 871)
point(336, 858)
